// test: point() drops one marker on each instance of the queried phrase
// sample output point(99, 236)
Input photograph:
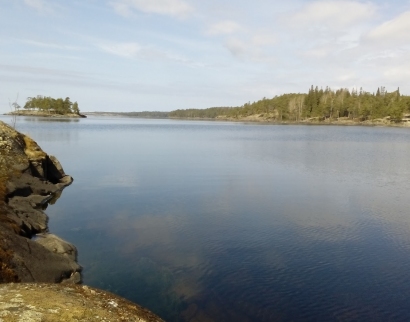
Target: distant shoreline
point(261, 118)
point(142, 115)
point(42, 114)
point(345, 121)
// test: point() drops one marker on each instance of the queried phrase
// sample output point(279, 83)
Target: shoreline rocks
point(29, 179)
point(270, 118)
point(44, 114)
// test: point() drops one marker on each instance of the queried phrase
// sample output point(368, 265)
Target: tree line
point(322, 104)
point(51, 105)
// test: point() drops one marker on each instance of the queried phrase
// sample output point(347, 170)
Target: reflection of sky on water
point(243, 222)
point(44, 130)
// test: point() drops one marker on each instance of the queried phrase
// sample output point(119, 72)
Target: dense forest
point(320, 104)
point(51, 105)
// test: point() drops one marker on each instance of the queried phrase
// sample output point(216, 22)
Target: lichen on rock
point(55, 302)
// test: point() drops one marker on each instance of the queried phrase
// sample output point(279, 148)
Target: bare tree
point(14, 109)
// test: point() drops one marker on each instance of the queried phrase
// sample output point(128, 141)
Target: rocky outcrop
point(29, 178)
point(56, 302)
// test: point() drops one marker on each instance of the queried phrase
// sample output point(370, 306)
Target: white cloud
point(383, 55)
point(244, 43)
point(261, 39)
point(243, 50)
point(39, 5)
point(330, 31)
point(50, 45)
point(318, 53)
point(122, 8)
point(236, 47)
point(397, 75)
point(178, 8)
point(332, 14)
point(135, 50)
point(346, 77)
point(398, 71)
point(396, 30)
point(36, 71)
point(128, 50)
point(223, 28)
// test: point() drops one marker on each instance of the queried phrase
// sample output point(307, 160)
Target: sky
point(162, 55)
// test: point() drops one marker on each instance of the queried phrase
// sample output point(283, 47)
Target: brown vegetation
point(7, 273)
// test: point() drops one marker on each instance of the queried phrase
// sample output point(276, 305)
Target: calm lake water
point(210, 221)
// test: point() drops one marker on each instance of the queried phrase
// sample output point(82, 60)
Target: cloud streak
point(133, 50)
point(331, 14)
point(175, 8)
point(223, 28)
point(51, 45)
point(39, 5)
point(128, 50)
point(394, 31)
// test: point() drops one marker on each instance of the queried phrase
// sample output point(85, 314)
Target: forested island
point(317, 106)
point(47, 106)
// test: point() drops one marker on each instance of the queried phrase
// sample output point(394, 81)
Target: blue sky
point(135, 55)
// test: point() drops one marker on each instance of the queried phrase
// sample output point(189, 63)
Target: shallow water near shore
point(212, 221)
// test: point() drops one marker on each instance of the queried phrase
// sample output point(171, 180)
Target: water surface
point(211, 221)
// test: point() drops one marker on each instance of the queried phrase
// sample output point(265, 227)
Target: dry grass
point(32, 150)
point(3, 190)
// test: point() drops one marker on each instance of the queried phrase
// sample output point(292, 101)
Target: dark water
point(207, 221)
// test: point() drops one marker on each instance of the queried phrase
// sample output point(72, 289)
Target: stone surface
point(57, 302)
point(57, 245)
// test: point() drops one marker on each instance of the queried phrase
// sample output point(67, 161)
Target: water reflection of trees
point(51, 119)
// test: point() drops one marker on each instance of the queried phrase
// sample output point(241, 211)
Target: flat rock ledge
point(57, 302)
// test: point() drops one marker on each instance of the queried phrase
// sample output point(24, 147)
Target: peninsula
point(317, 106)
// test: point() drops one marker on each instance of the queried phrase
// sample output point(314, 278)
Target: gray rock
point(57, 245)
point(35, 263)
